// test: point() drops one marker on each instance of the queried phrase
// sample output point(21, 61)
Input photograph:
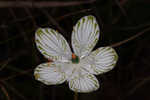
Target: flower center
point(75, 59)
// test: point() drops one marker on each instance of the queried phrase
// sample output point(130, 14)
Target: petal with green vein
point(49, 73)
point(85, 35)
point(52, 44)
point(84, 84)
point(101, 60)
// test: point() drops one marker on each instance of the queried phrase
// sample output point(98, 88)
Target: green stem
point(76, 96)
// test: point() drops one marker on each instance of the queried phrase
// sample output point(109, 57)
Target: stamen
point(49, 62)
point(73, 56)
point(75, 59)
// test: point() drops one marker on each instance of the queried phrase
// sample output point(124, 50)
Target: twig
point(130, 38)
point(133, 27)
point(4, 65)
point(53, 21)
point(5, 92)
point(40, 4)
point(122, 2)
point(71, 14)
point(10, 39)
point(8, 60)
point(4, 26)
point(32, 17)
point(121, 8)
point(138, 85)
point(13, 76)
point(19, 35)
point(19, 26)
point(15, 91)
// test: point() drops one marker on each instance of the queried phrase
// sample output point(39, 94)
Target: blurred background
point(124, 24)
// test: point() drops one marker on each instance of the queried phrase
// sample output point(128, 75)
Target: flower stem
point(76, 96)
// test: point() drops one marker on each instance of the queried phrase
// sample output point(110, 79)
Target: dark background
point(125, 25)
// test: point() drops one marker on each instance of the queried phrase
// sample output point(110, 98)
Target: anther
point(75, 59)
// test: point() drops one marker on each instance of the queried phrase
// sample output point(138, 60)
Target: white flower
point(77, 68)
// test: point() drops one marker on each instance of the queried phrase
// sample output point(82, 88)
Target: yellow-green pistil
point(75, 59)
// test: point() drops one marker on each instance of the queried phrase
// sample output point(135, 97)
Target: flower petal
point(101, 60)
point(52, 44)
point(85, 35)
point(49, 73)
point(84, 84)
